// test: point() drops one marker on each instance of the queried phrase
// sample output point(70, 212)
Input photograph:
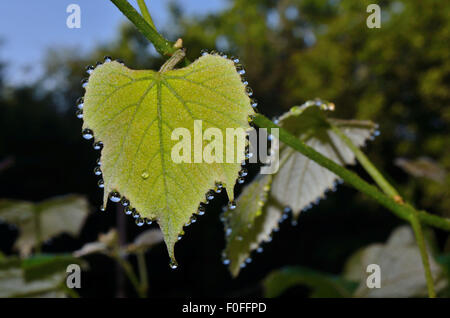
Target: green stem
point(145, 13)
point(368, 166)
point(403, 211)
point(130, 274)
point(142, 271)
point(392, 192)
point(163, 46)
point(415, 223)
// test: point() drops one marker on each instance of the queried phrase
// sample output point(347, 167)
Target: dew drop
point(173, 264)
point(240, 180)
point(179, 237)
point(84, 82)
point(251, 118)
point(235, 60)
point(376, 133)
point(201, 210)
point(139, 222)
point(244, 80)
point(259, 250)
point(90, 69)
point(232, 205)
point(98, 145)
point(248, 260)
point(125, 202)
point(193, 219)
point(87, 134)
point(254, 103)
point(243, 265)
point(120, 61)
point(114, 196)
point(99, 163)
point(249, 91)
point(228, 231)
point(80, 103)
point(243, 172)
point(128, 210)
point(204, 52)
point(226, 261)
point(107, 59)
point(79, 113)
point(97, 171)
point(101, 183)
point(145, 175)
point(98, 63)
point(209, 195)
point(148, 221)
point(102, 208)
point(135, 214)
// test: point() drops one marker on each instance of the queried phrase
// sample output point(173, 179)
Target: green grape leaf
point(64, 214)
point(134, 112)
point(400, 265)
point(248, 225)
point(322, 284)
point(298, 183)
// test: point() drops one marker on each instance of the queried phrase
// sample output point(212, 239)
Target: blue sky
point(29, 27)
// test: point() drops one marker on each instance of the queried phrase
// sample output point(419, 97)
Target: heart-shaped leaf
point(134, 113)
point(298, 183)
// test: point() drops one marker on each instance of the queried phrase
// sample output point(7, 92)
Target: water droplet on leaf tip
point(276, 121)
point(249, 91)
point(139, 222)
point(248, 260)
point(102, 208)
point(114, 196)
point(99, 163)
point(248, 155)
point(254, 103)
point(235, 60)
point(201, 210)
point(259, 250)
point(97, 171)
point(107, 59)
point(376, 133)
point(179, 237)
point(243, 265)
point(79, 114)
point(98, 63)
point(135, 214)
point(240, 180)
point(173, 264)
point(120, 61)
point(87, 134)
point(148, 221)
point(84, 82)
point(226, 262)
point(101, 183)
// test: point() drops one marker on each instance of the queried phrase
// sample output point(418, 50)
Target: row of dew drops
point(115, 196)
